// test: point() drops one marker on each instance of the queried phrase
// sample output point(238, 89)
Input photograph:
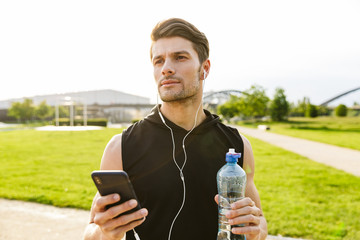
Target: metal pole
point(57, 114)
point(71, 114)
point(85, 114)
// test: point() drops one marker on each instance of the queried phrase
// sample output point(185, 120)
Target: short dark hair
point(177, 27)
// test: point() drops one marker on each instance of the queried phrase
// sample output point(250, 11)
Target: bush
point(341, 110)
point(102, 122)
point(311, 111)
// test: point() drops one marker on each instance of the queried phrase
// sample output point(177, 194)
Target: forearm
point(93, 232)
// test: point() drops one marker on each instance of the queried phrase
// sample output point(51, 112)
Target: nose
point(168, 68)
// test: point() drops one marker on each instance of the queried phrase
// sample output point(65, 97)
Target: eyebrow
point(174, 53)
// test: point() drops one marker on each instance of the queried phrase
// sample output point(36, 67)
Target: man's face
point(176, 69)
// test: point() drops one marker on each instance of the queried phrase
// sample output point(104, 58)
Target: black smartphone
point(115, 181)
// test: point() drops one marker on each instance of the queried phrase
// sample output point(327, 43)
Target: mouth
point(169, 82)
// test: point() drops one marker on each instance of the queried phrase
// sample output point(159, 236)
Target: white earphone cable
point(174, 159)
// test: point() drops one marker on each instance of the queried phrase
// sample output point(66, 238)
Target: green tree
point(279, 106)
point(299, 110)
point(43, 110)
point(22, 111)
point(311, 110)
point(15, 110)
point(341, 110)
point(64, 111)
point(323, 111)
point(229, 109)
point(253, 103)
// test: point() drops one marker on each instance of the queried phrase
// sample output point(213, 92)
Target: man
point(173, 155)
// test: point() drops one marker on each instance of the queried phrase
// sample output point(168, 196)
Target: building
point(114, 105)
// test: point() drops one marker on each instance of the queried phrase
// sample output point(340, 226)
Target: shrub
point(341, 110)
point(311, 111)
point(79, 122)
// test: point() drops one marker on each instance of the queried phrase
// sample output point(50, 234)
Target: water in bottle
point(231, 182)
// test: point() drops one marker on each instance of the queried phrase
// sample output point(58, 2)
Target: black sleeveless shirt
point(147, 152)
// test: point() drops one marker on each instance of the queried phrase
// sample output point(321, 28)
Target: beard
point(184, 94)
point(181, 95)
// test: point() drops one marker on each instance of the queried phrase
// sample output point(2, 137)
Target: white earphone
point(184, 149)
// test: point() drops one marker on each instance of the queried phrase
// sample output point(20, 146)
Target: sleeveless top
point(147, 154)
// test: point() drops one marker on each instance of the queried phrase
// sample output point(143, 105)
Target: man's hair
point(177, 27)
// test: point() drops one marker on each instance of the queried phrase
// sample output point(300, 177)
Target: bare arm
point(248, 210)
point(103, 225)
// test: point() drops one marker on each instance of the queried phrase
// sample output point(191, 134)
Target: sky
point(310, 48)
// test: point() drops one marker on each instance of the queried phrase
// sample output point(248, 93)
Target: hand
point(115, 228)
point(246, 213)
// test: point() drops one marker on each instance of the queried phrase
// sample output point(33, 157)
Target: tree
point(279, 106)
point(22, 111)
point(43, 110)
point(15, 110)
point(229, 109)
point(323, 111)
point(311, 110)
point(64, 112)
point(299, 110)
point(341, 110)
point(253, 103)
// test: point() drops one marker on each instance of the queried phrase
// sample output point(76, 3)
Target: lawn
point(300, 198)
point(51, 167)
point(340, 131)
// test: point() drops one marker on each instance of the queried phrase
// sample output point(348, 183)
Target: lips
point(168, 82)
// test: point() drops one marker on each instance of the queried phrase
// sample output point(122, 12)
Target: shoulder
point(229, 129)
point(111, 158)
point(135, 128)
point(249, 162)
point(114, 145)
point(247, 144)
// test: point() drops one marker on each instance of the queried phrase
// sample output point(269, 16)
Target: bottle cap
point(232, 156)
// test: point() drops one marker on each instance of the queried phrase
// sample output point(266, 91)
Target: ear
point(206, 69)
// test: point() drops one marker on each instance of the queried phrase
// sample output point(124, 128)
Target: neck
point(183, 114)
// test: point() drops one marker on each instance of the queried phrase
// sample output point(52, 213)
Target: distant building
point(114, 105)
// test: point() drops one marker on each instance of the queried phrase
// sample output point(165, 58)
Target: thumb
point(216, 198)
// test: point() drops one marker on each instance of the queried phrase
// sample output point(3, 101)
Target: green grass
point(343, 132)
point(51, 167)
point(300, 198)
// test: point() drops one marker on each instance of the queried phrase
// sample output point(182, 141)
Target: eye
point(158, 61)
point(180, 57)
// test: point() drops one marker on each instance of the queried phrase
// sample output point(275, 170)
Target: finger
point(103, 201)
point(246, 219)
point(251, 230)
point(127, 220)
point(118, 233)
point(243, 203)
point(244, 211)
point(121, 208)
point(217, 198)
point(103, 216)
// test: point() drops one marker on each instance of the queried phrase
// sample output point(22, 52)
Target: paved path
point(344, 159)
point(33, 221)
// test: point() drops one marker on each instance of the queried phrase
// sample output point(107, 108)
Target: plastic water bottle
point(231, 182)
